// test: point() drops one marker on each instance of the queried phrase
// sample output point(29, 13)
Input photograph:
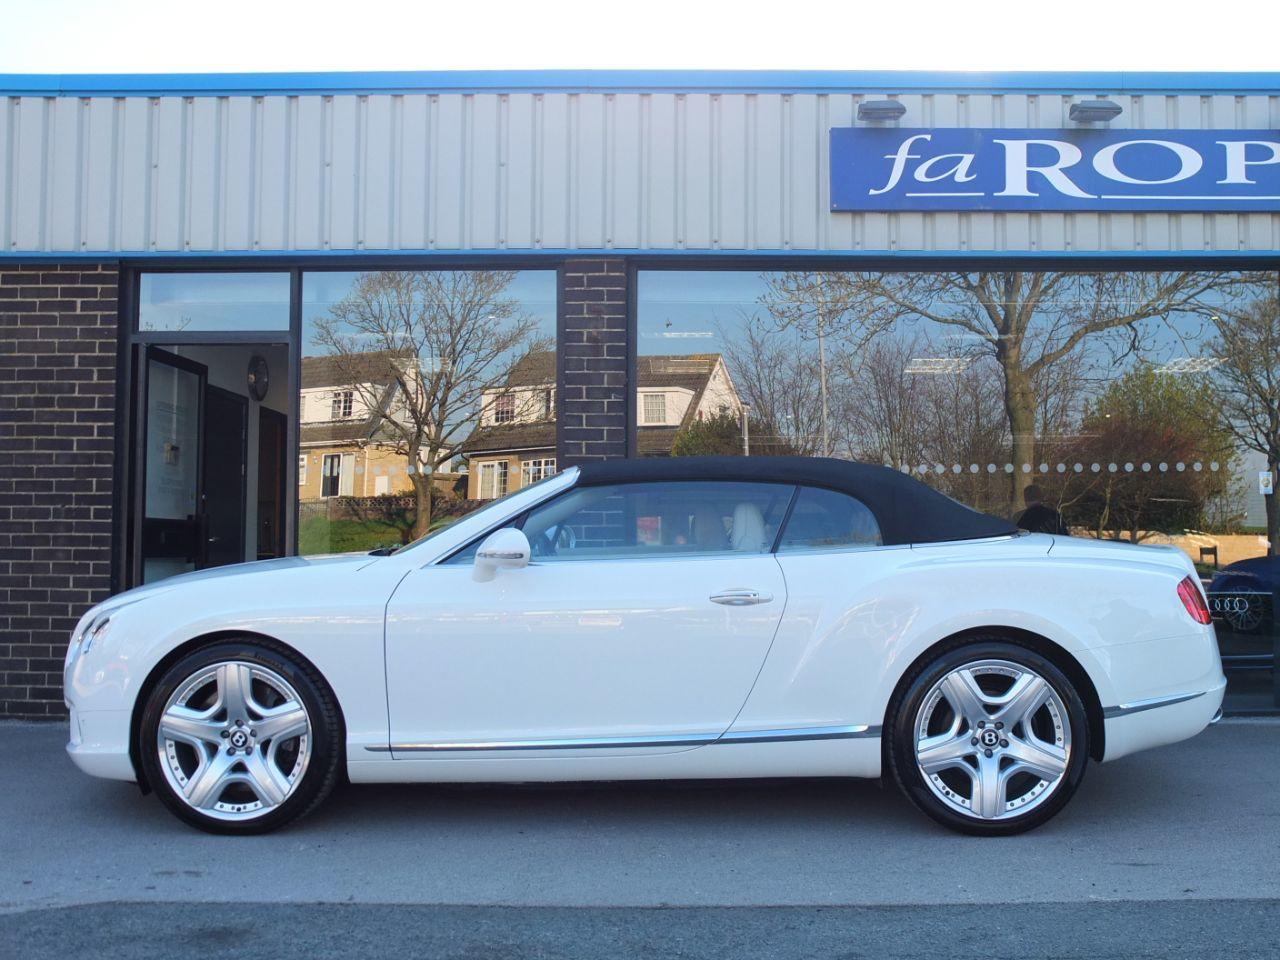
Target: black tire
point(322, 770)
point(900, 736)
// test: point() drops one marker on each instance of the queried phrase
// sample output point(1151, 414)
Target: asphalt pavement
point(1173, 852)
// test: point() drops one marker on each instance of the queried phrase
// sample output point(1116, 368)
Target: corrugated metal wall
point(524, 172)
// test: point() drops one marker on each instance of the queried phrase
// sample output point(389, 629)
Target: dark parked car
point(1242, 599)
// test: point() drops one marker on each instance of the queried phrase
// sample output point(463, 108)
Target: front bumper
point(1138, 726)
point(99, 743)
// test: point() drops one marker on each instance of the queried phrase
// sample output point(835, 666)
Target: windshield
point(446, 524)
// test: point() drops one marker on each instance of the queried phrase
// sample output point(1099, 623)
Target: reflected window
point(655, 408)
point(493, 480)
point(504, 408)
point(537, 469)
point(342, 405)
point(213, 301)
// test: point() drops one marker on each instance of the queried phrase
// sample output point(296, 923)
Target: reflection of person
point(1039, 517)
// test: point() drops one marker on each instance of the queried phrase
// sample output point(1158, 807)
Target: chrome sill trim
point(1138, 706)
point(858, 731)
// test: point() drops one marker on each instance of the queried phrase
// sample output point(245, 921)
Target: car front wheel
point(991, 738)
point(239, 737)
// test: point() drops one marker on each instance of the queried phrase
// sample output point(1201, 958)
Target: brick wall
point(57, 417)
point(594, 399)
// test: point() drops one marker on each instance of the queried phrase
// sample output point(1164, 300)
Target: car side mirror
point(506, 548)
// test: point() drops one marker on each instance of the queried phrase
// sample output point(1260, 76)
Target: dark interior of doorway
point(211, 457)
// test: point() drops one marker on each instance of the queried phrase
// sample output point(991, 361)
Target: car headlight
point(97, 631)
point(92, 630)
point(84, 637)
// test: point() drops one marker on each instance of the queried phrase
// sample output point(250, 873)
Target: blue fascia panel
point(633, 81)
point(367, 256)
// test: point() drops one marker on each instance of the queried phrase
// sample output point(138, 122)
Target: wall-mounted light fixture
point(881, 109)
point(1091, 111)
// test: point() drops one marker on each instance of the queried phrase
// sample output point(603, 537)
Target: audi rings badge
point(1242, 611)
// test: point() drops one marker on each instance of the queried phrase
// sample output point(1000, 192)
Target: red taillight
point(1193, 600)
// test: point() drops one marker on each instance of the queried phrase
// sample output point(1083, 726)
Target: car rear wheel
point(990, 738)
point(239, 737)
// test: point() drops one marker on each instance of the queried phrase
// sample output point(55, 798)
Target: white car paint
point(442, 677)
point(620, 648)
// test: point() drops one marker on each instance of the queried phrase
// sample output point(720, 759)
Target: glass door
point(172, 428)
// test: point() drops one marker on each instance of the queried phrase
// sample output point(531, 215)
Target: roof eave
point(637, 81)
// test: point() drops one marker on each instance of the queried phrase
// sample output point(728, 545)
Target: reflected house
point(514, 443)
point(346, 446)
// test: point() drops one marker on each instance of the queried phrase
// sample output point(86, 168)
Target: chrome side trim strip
point(857, 731)
point(584, 743)
point(1138, 706)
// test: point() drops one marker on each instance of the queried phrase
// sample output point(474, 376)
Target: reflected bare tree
point(1029, 323)
point(950, 424)
point(778, 374)
point(422, 349)
point(838, 320)
point(1247, 381)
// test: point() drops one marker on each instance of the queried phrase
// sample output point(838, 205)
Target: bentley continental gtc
point(657, 619)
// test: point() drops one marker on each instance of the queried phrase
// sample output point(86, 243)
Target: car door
point(642, 621)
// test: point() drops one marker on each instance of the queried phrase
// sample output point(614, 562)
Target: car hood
point(255, 568)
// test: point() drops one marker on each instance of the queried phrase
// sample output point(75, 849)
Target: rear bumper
point(1152, 723)
point(99, 743)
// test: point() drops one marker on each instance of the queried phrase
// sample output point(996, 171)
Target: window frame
point(325, 476)
point(644, 409)
point(342, 405)
point(546, 468)
point(504, 408)
point(491, 467)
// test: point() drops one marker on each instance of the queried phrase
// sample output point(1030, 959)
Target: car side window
point(827, 519)
point(671, 519)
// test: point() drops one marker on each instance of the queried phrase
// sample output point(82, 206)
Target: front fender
point(331, 614)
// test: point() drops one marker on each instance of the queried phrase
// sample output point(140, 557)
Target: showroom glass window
point(175, 302)
point(1130, 404)
point(416, 382)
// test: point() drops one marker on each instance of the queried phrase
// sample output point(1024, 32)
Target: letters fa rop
point(1236, 158)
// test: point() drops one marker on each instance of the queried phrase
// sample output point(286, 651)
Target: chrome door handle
point(740, 598)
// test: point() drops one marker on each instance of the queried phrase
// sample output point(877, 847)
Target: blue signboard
point(1095, 170)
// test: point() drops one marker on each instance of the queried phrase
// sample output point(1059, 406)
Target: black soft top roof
point(907, 510)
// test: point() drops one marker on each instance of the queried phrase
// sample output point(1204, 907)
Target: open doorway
point(211, 456)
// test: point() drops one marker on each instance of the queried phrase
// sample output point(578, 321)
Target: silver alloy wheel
point(993, 739)
point(234, 740)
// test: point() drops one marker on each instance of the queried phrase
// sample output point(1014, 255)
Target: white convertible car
point(653, 619)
